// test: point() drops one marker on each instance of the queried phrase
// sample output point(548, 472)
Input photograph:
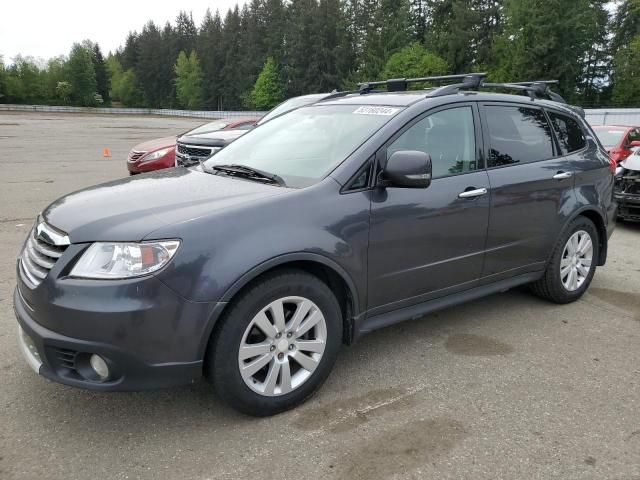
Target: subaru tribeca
point(333, 220)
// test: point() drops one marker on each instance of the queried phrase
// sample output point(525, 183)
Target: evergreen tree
point(267, 91)
point(336, 54)
point(185, 32)
point(189, 81)
point(626, 90)
point(231, 92)
point(302, 68)
point(211, 57)
point(82, 76)
point(102, 76)
point(154, 68)
point(540, 42)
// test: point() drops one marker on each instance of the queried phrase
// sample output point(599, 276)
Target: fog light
point(99, 366)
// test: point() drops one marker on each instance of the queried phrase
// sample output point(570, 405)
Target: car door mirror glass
point(407, 169)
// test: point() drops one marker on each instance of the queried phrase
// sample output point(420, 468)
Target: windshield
point(291, 104)
point(209, 127)
point(306, 144)
point(609, 137)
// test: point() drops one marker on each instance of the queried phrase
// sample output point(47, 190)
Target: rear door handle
point(478, 192)
point(562, 175)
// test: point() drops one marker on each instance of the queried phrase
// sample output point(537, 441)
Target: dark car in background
point(334, 220)
point(196, 146)
point(160, 153)
point(620, 141)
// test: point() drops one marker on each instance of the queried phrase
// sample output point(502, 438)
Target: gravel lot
point(505, 387)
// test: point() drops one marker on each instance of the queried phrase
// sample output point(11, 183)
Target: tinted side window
point(448, 136)
point(634, 135)
point(518, 135)
point(570, 135)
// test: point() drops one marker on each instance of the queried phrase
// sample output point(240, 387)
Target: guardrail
point(215, 114)
point(613, 116)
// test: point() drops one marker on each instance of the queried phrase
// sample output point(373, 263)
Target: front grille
point(135, 155)
point(194, 151)
point(41, 251)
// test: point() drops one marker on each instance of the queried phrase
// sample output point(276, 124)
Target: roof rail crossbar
point(471, 81)
point(537, 89)
point(401, 84)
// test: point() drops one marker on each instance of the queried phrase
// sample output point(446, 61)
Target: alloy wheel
point(282, 346)
point(575, 263)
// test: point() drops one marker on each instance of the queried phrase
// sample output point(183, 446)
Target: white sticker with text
point(376, 110)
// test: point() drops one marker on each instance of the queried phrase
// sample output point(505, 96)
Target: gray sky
point(46, 28)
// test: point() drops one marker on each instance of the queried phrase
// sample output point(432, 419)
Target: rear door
point(531, 189)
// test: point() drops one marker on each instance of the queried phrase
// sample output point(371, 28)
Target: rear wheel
point(572, 264)
point(277, 343)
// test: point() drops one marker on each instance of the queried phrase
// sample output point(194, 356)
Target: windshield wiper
point(250, 173)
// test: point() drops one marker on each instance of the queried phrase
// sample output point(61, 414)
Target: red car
point(161, 152)
point(620, 141)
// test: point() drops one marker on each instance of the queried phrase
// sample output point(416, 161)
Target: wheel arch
point(320, 266)
point(598, 220)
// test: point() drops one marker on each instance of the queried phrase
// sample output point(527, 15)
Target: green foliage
point(124, 87)
point(320, 45)
point(63, 91)
point(81, 74)
point(542, 42)
point(414, 61)
point(267, 91)
point(189, 81)
point(626, 90)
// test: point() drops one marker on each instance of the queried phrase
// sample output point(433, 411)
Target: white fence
point(129, 111)
point(598, 116)
point(613, 116)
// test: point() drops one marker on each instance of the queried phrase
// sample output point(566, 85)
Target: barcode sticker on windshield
point(376, 110)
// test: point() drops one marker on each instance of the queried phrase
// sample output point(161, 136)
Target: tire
point(556, 287)
point(241, 333)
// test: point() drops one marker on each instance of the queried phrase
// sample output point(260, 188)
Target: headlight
point(124, 260)
point(155, 155)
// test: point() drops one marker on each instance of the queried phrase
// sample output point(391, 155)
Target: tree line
point(268, 50)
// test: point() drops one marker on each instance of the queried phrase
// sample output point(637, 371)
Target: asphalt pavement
point(506, 387)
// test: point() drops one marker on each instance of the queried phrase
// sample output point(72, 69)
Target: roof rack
point(401, 84)
point(469, 82)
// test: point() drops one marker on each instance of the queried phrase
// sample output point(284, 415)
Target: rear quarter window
point(570, 136)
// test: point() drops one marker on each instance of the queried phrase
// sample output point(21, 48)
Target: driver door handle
point(562, 175)
point(478, 192)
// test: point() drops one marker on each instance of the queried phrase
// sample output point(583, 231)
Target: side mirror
point(407, 169)
point(634, 144)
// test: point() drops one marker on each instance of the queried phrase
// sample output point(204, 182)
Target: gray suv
point(354, 213)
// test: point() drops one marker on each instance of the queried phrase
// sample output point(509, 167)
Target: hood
point(632, 162)
point(156, 144)
point(131, 208)
point(213, 139)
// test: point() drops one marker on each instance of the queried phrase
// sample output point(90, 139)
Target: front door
point(426, 243)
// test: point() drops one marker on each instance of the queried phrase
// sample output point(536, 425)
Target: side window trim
point(487, 139)
point(369, 166)
point(548, 111)
point(381, 154)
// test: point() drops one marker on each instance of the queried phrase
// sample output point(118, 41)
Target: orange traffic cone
point(106, 153)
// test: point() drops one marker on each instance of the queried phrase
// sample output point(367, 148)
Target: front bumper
point(141, 349)
point(628, 206)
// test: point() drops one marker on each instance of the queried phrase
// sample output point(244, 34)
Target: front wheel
point(277, 343)
point(572, 264)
